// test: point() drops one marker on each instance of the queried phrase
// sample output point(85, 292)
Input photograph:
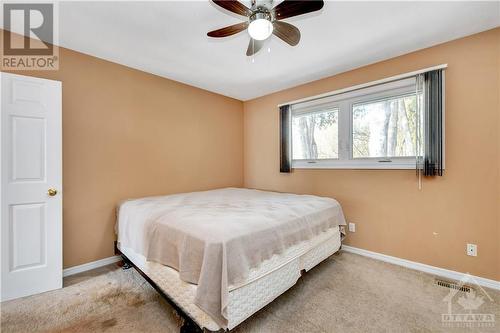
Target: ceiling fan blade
point(228, 31)
point(234, 6)
point(287, 32)
point(254, 46)
point(289, 8)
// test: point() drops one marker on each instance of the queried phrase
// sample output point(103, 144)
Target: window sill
point(355, 165)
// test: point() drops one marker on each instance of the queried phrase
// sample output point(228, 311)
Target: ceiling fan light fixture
point(260, 28)
point(265, 19)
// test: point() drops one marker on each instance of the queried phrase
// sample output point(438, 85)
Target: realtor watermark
point(464, 308)
point(29, 35)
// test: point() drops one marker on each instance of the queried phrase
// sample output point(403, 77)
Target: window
point(384, 128)
point(315, 135)
point(370, 128)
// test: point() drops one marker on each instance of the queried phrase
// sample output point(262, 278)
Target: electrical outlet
point(352, 227)
point(472, 250)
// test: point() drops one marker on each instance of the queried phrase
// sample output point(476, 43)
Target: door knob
point(52, 192)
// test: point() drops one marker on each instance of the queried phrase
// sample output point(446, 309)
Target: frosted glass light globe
point(260, 29)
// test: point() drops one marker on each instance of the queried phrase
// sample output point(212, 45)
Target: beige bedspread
point(213, 238)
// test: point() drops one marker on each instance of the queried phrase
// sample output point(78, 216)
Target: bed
point(220, 256)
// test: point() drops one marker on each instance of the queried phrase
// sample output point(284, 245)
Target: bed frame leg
point(126, 263)
point(189, 326)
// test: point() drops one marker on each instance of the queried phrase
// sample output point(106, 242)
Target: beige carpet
point(346, 293)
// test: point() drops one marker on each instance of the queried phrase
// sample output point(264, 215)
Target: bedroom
point(142, 136)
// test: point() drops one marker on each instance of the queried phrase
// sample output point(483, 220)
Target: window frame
point(345, 102)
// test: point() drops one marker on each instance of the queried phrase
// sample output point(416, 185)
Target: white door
point(31, 183)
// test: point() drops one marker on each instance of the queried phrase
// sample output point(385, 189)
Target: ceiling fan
point(264, 20)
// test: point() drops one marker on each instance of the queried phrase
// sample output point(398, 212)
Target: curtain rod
point(365, 85)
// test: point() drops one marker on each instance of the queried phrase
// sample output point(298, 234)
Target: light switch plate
point(352, 227)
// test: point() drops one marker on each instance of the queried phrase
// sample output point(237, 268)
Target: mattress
point(264, 283)
point(215, 238)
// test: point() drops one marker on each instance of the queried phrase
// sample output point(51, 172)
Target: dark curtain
point(285, 144)
point(433, 124)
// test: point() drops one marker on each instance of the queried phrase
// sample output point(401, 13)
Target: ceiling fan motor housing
point(261, 13)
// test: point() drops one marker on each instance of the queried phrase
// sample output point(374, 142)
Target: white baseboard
point(90, 265)
point(449, 274)
point(453, 275)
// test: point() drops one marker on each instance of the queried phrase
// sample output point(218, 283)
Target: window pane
point(384, 128)
point(315, 135)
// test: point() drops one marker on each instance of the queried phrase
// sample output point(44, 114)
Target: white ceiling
point(169, 39)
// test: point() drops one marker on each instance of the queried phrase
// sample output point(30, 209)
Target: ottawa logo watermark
point(464, 308)
point(29, 35)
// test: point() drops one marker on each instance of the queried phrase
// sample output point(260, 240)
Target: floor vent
point(454, 285)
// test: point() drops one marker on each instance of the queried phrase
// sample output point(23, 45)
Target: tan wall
point(392, 215)
point(498, 148)
point(130, 134)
